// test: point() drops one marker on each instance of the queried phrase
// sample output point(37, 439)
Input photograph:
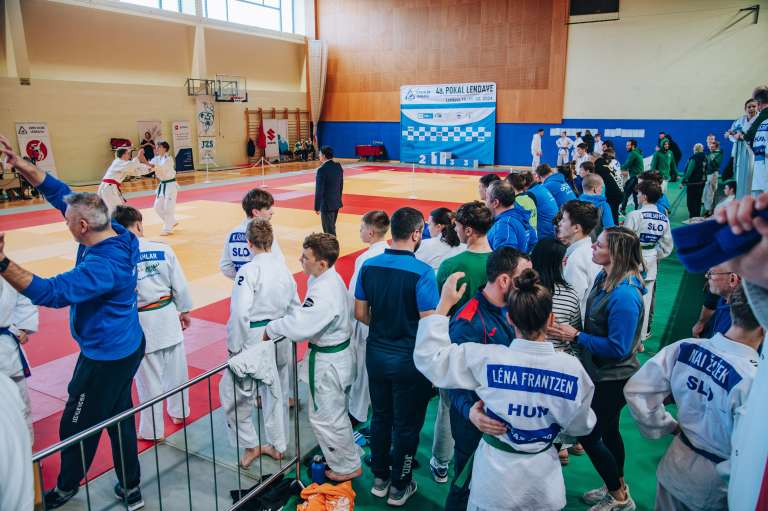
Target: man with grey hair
point(101, 293)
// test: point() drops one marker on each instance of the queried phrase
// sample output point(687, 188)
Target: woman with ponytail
point(443, 241)
point(609, 341)
point(533, 392)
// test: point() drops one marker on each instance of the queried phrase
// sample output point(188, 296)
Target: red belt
point(111, 182)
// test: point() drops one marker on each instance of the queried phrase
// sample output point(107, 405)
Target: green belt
point(257, 324)
point(647, 247)
point(161, 188)
point(494, 442)
point(162, 302)
point(313, 351)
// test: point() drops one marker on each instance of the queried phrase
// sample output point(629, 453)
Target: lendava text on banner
point(456, 119)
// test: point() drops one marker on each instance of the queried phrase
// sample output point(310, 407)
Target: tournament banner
point(276, 131)
point(206, 116)
point(182, 145)
point(207, 148)
point(457, 118)
point(35, 143)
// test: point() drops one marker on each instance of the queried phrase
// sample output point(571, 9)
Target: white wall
point(672, 59)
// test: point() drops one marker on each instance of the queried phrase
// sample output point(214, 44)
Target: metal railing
point(294, 463)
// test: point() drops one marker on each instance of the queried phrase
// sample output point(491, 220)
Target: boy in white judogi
point(18, 319)
point(563, 148)
point(536, 148)
point(373, 230)
point(165, 201)
point(120, 168)
point(532, 391)
point(264, 290)
point(325, 320)
point(164, 303)
point(709, 380)
point(257, 203)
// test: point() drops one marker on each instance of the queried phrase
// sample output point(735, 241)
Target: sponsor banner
point(35, 143)
point(457, 119)
point(207, 150)
point(206, 116)
point(182, 145)
point(276, 132)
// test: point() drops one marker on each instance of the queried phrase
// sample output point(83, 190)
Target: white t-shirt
point(434, 251)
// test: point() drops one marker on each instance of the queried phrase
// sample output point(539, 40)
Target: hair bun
point(527, 281)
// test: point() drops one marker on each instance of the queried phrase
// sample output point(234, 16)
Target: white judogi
point(109, 189)
point(598, 150)
point(324, 320)
point(236, 251)
point(580, 159)
point(576, 142)
point(359, 395)
point(709, 380)
point(434, 251)
point(264, 290)
point(760, 176)
point(16, 314)
point(580, 271)
point(17, 486)
point(536, 150)
point(537, 391)
point(162, 295)
point(165, 201)
point(655, 236)
point(742, 124)
point(563, 147)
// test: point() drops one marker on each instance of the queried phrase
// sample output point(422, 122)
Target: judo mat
point(40, 242)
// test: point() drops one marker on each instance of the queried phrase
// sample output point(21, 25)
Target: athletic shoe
point(439, 472)
point(360, 439)
point(56, 498)
point(594, 496)
point(399, 498)
point(133, 499)
point(380, 487)
point(609, 503)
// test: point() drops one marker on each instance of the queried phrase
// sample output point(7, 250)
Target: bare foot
point(272, 452)
point(340, 478)
point(250, 454)
point(176, 420)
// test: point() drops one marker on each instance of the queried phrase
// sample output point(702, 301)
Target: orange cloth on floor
point(328, 497)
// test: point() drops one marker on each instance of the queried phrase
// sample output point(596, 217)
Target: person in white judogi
point(563, 148)
point(164, 303)
point(533, 392)
point(17, 481)
point(576, 141)
point(257, 203)
point(120, 168)
point(325, 320)
point(652, 227)
point(165, 201)
point(264, 290)
point(709, 380)
point(18, 319)
point(373, 231)
point(536, 148)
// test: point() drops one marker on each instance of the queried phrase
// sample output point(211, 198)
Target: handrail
point(128, 413)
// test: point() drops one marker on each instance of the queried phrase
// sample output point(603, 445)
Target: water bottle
point(318, 469)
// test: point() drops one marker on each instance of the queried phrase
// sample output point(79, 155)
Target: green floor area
point(678, 299)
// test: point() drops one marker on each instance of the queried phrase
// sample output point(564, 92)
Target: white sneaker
point(592, 497)
point(399, 498)
point(380, 487)
point(609, 503)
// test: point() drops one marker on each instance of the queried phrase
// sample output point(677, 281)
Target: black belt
point(714, 458)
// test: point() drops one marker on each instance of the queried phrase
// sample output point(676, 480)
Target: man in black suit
point(329, 182)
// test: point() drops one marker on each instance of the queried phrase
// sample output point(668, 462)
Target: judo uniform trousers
point(109, 189)
point(264, 290)
point(162, 295)
point(165, 200)
point(359, 394)
point(324, 320)
point(535, 151)
point(536, 391)
point(16, 313)
point(709, 380)
point(17, 486)
point(655, 236)
point(563, 147)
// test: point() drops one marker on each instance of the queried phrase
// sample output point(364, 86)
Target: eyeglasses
point(713, 273)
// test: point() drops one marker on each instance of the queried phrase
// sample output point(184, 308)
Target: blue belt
point(24, 365)
point(714, 458)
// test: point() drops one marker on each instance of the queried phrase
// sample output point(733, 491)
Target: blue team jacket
point(546, 209)
point(559, 189)
point(100, 290)
point(512, 228)
point(602, 205)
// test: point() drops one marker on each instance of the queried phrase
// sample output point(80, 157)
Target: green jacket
point(714, 160)
point(634, 163)
point(664, 163)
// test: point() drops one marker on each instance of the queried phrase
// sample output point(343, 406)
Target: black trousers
point(693, 198)
point(99, 390)
point(604, 444)
point(399, 398)
point(466, 437)
point(630, 190)
point(328, 218)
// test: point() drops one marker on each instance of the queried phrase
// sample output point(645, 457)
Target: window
point(279, 15)
point(182, 6)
